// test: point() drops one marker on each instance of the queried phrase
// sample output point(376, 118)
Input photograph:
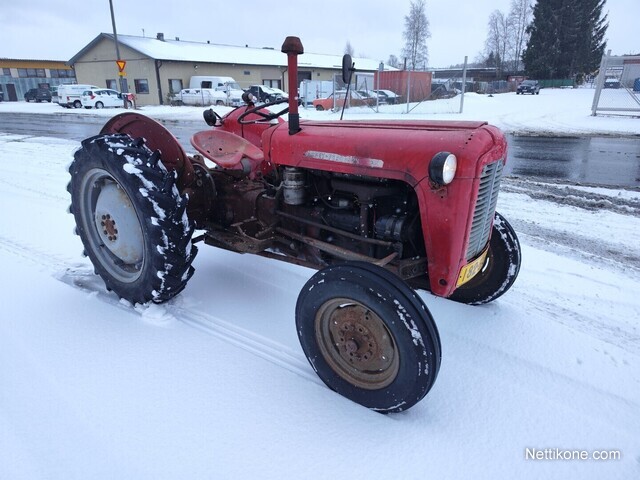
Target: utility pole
point(121, 73)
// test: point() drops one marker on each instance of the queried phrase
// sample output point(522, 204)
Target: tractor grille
point(485, 208)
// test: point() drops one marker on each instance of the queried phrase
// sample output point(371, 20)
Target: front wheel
point(500, 269)
point(131, 218)
point(368, 336)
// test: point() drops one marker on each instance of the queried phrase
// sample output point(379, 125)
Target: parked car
point(199, 97)
point(38, 95)
point(372, 97)
point(70, 95)
point(611, 82)
point(390, 97)
point(104, 97)
point(266, 94)
point(355, 100)
point(528, 86)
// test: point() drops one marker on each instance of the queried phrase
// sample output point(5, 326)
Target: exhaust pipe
point(292, 46)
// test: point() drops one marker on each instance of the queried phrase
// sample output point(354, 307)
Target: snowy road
point(214, 385)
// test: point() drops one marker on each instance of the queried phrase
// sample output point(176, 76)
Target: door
point(12, 96)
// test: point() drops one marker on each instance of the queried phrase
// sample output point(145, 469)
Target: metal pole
point(600, 84)
point(464, 83)
point(115, 38)
point(408, 88)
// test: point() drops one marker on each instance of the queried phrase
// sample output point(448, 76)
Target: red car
point(355, 100)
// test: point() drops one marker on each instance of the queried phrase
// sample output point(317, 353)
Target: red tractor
point(376, 206)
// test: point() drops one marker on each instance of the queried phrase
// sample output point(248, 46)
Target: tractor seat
point(226, 149)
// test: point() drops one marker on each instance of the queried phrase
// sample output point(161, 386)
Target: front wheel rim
point(114, 232)
point(356, 344)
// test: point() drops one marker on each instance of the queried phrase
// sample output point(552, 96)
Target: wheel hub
point(118, 226)
point(356, 343)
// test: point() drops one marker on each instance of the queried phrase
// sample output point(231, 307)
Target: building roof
point(187, 51)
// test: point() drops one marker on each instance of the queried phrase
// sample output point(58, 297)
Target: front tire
point(500, 269)
point(131, 218)
point(368, 336)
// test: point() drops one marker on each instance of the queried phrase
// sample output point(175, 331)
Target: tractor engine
point(316, 217)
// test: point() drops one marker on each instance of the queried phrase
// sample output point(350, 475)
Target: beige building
point(157, 67)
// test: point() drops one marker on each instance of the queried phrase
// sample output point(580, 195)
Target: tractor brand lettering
point(350, 160)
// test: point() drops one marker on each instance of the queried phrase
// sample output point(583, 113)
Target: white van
point(71, 95)
point(220, 84)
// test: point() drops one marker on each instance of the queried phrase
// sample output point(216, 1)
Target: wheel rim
point(99, 105)
point(356, 344)
point(113, 230)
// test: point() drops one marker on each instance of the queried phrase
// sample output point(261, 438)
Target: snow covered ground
point(214, 384)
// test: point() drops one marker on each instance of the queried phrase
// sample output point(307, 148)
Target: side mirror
point(347, 68)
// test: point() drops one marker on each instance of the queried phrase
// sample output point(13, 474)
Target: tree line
point(544, 39)
point(547, 39)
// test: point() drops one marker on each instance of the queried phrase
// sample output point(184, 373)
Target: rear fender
point(157, 137)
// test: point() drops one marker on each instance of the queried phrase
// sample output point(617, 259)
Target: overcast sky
point(58, 29)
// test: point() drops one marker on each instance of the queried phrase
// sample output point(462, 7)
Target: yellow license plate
point(470, 270)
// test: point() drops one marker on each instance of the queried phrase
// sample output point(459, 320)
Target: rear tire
point(500, 270)
point(319, 108)
point(368, 336)
point(131, 218)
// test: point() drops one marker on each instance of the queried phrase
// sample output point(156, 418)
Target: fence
point(387, 92)
point(618, 85)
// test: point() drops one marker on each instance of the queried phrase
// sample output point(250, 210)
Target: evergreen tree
point(593, 27)
point(566, 38)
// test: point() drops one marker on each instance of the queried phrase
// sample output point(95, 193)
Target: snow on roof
point(180, 50)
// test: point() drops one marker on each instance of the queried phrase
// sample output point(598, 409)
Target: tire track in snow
point(81, 276)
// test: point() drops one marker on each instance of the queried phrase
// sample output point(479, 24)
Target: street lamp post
point(123, 82)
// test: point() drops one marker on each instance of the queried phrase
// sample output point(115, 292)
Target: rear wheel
point(77, 104)
point(368, 336)
point(131, 218)
point(500, 269)
point(319, 108)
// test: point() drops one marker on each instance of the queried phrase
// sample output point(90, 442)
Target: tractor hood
point(398, 149)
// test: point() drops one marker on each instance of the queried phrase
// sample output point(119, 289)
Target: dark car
point(266, 94)
point(38, 95)
point(529, 86)
point(611, 82)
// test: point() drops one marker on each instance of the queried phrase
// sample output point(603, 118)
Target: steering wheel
point(265, 117)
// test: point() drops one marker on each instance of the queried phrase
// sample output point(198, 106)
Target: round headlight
point(442, 168)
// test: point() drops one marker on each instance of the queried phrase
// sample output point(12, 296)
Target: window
point(272, 83)
point(175, 85)
point(6, 71)
point(111, 83)
point(142, 85)
point(31, 72)
point(247, 72)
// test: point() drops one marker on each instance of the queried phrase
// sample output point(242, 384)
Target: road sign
point(121, 64)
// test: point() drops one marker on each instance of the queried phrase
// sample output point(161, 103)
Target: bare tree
point(416, 32)
point(393, 61)
point(520, 16)
point(498, 38)
point(349, 49)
